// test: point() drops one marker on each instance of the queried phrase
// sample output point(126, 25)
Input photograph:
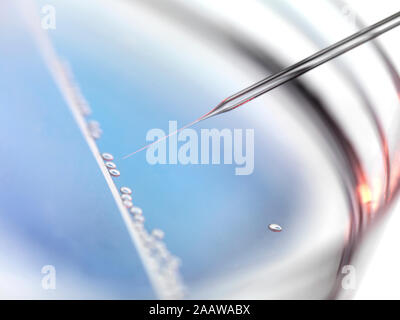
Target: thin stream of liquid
point(203, 117)
point(163, 138)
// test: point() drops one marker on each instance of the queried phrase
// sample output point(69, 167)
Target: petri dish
point(128, 68)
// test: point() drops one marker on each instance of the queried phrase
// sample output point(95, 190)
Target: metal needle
point(305, 65)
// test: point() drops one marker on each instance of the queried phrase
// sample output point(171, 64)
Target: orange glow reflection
point(365, 193)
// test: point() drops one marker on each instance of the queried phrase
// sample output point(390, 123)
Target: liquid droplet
point(126, 190)
point(82, 102)
point(108, 156)
point(161, 249)
point(84, 108)
point(275, 227)
point(94, 129)
point(136, 211)
point(174, 262)
point(111, 165)
point(139, 219)
point(128, 204)
point(158, 234)
point(148, 241)
point(126, 197)
point(114, 172)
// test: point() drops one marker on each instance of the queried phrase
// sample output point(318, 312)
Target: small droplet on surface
point(126, 190)
point(144, 235)
point(126, 197)
point(81, 101)
point(158, 234)
point(164, 254)
point(275, 227)
point(96, 134)
point(139, 227)
point(148, 241)
point(136, 211)
point(111, 165)
point(114, 172)
point(139, 219)
point(108, 156)
point(84, 108)
point(161, 249)
point(128, 204)
point(174, 262)
point(94, 129)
